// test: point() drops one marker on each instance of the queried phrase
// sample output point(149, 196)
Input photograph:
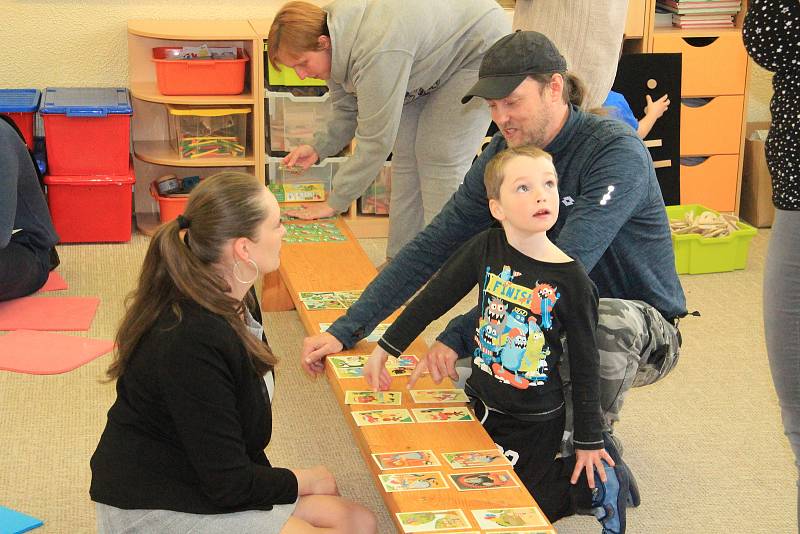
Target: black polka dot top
point(772, 38)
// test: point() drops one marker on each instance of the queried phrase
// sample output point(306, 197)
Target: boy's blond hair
point(495, 170)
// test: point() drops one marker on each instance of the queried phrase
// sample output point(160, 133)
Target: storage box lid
point(86, 101)
point(93, 179)
point(19, 100)
point(211, 111)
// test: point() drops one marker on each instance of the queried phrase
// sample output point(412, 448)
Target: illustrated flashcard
point(403, 459)
point(382, 417)
point(442, 415)
point(469, 459)
point(429, 396)
point(373, 397)
point(430, 480)
point(373, 337)
point(320, 300)
point(433, 521)
point(318, 232)
point(483, 480)
point(495, 518)
point(404, 360)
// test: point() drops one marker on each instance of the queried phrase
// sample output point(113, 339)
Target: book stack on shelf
point(701, 13)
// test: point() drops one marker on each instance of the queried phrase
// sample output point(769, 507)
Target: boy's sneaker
point(610, 498)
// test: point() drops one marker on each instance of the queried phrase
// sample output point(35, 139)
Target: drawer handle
point(693, 161)
point(699, 42)
point(695, 102)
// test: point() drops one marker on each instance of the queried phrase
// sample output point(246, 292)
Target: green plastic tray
point(695, 254)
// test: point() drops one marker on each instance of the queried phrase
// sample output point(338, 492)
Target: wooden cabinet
point(714, 83)
point(153, 154)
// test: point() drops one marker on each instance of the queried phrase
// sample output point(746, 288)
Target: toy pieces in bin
point(171, 185)
point(202, 52)
point(707, 224)
point(197, 147)
point(306, 192)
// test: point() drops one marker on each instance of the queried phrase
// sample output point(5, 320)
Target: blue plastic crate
point(86, 101)
point(19, 100)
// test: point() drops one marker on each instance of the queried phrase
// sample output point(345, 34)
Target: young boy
point(531, 295)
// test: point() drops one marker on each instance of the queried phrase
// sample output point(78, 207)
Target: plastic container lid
point(216, 111)
point(19, 100)
point(86, 101)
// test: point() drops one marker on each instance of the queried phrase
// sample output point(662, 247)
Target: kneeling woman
point(183, 448)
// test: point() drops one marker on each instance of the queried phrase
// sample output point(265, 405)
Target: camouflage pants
point(637, 347)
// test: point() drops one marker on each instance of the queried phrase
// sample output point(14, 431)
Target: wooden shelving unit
point(153, 153)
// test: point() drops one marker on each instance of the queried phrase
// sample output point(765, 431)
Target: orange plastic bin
point(168, 207)
point(198, 77)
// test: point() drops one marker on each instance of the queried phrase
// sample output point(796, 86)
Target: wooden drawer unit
point(714, 128)
point(711, 183)
point(711, 65)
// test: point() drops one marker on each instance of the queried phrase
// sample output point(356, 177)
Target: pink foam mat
point(47, 353)
point(48, 313)
point(54, 283)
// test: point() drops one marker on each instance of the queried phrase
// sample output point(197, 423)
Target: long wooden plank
point(342, 266)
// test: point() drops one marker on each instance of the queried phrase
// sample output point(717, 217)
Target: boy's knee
point(361, 520)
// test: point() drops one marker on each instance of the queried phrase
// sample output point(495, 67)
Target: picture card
point(392, 398)
point(497, 518)
point(479, 458)
point(429, 480)
point(404, 459)
point(432, 521)
point(483, 480)
point(382, 417)
point(442, 415)
point(430, 396)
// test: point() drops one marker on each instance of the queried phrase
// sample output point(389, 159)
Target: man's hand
point(440, 361)
point(310, 212)
point(303, 156)
point(315, 348)
point(590, 460)
point(375, 371)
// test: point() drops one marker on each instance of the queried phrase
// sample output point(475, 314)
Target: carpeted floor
point(706, 444)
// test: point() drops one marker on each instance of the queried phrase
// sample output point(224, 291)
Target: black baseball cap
point(511, 59)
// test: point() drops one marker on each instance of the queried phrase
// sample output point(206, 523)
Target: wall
point(56, 43)
point(69, 43)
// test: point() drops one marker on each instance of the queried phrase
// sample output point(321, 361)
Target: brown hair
point(222, 207)
point(495, 170)
point(296, 29)
point(574, 91)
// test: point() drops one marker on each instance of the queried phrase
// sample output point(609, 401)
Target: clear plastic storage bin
point(322, 172)
point(292, 120)
point(208, 132)
point(375, 200)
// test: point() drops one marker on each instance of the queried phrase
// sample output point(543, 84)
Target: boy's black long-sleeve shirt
point(527, 306)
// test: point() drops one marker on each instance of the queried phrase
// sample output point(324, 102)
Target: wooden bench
point(342, 266)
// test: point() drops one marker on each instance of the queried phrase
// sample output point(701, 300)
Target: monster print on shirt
point(510, 337)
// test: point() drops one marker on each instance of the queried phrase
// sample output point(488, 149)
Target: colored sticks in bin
point(198, 147)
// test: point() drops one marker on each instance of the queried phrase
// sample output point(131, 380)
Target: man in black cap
point(612, 219)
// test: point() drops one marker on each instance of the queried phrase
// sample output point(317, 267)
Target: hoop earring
point(238, 277)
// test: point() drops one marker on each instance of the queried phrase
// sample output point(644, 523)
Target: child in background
point(619, 109)
point(531, 294)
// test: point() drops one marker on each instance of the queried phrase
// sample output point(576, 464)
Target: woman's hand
point(309, 212)
point(315, 481)
point(303, 156)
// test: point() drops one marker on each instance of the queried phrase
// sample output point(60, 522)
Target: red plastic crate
point(87, 145)
point(199, 77)
point(91, 209)
point(24, 122)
